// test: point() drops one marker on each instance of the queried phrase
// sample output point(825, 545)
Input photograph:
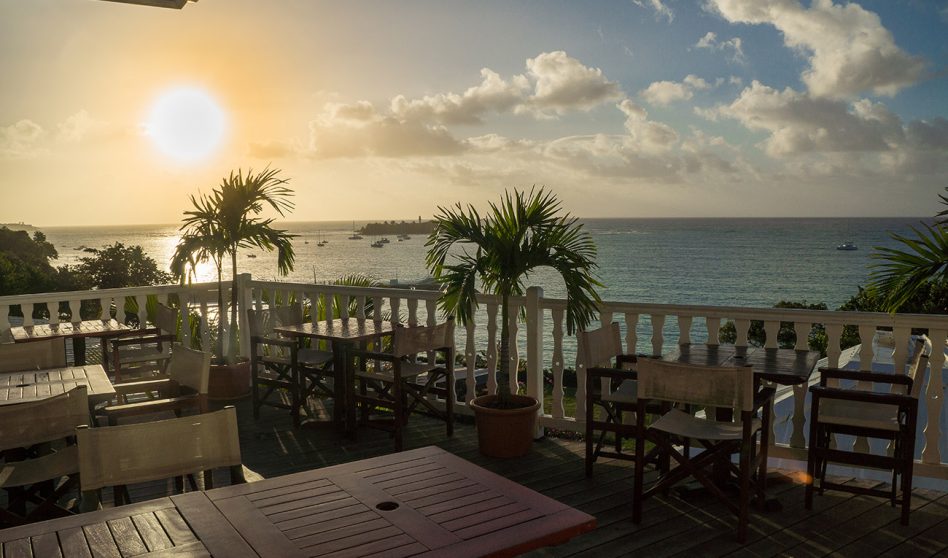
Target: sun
point(186, 123)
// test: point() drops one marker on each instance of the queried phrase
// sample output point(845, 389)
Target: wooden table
point(77, 331)
point(31, 385)
point(781, 366)
point(424, 502)
point(185, 525)
point(342, 333)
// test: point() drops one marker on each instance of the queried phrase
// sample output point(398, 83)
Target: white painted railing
point(541, 340)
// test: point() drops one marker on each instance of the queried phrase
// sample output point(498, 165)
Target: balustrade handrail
point(89, 294)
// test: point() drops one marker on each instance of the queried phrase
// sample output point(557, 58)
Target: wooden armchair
point(36, 355)
point(712, 387)
point(185, 387)
point(610, 386)
point(279, 363)
point(117, 456)
point(145, 352)
point(400, 383)
point(891, 416)
point(36, 451)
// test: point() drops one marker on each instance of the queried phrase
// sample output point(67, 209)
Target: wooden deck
point(693, 525)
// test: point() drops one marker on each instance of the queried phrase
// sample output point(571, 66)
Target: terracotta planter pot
point(505, 432)
point(229, 381)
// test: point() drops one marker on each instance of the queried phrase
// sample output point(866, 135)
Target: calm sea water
point(735, 262)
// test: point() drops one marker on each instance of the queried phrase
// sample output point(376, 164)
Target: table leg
point(340, 404)
point(79, 351)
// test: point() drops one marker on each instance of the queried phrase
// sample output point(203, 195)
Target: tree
point(901, 274)
point(117, 265)
point(515, 238)
point(25, 264)
point(227, 220)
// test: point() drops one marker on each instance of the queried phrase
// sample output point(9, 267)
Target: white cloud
point(661, 10)
point(563, 84)
point(493, 94)
point(663, 93)
point(20, 140)
point(647, 135)
point(849, 51)
point(734, 45)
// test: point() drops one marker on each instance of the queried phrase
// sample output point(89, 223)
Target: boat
point(251, 255)
point(321, 243)
point(384, 240)
point(848, 245)
point(378, 244)
point(355, 233)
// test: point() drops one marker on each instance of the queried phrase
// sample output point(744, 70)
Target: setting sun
point(186, 123)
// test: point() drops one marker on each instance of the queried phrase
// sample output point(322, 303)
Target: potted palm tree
point(522, 233)
point(216, 228)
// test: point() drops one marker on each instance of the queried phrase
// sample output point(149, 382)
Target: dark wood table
point(187, 525)
point(31, 385)
point(424, 502)
point(781, 366)
point(77, 331)
point(342, 333)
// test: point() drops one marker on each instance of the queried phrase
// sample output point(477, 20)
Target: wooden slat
point(46, 545)
point(175, 527)
point(17, 549)
point(210, 527)
point(100, 540)
point(151, 532)
point(126, 537)
point(73, 543)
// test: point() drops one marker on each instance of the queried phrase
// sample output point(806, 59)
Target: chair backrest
point(166, 319)
point(408, 341)
point(599, 346)
point(917, 365)
point(190, 368)
point(33, 422)
point(133, 453)
point(713, 386)
point(35, 355)
point(259, 322)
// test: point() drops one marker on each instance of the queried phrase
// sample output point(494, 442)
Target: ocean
point(733, 262)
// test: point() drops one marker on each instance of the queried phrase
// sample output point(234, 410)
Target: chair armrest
point(151, 335)
point(353, 353)
point(626, 359)
point(763, 395)
point(863, 375)
point(258, 340)
point(144, 385)
point(907, 401)
point(113, 412)
point(612, 373)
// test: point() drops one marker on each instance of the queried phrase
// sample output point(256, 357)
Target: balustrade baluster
point(631, 333)
point(772, 331)
point(558, 411)
point(52, 308)
point(741, 326)
point(713, 326)
point(360, 307)
point(934, 397)
point(684, 330)
point(75, 310)
point(470, 362)
point(513, 365)
point(377, 308)
point(105, 308)
point(344, 310)
point(658, 334)
point(798, 420)
point(412, 311)
point(394, 304)
point(492, 347)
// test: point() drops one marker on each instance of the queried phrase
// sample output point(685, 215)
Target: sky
point(114, 114)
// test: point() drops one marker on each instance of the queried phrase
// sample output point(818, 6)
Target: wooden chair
point(36, 355)
point(853, 411)
point(36, 451)
point(279, 363)
point(713, 387)
point(400, 383)
point(601, 350)
point(145, 353)
point(117, 456)
point(185, 388)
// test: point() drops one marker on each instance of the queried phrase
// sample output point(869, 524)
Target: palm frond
point(901, 273)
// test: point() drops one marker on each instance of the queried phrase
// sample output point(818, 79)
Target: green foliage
point(25, 264)
point(117, 265)
point(786, 336)
point(522, 233)
point(227, 220)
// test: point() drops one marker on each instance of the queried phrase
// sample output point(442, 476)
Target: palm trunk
point(219, 342)
point(232, 346)
point(503, 371)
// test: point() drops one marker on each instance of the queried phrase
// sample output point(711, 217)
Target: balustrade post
point(934, 397)
point(535, 348)
point(244, 301)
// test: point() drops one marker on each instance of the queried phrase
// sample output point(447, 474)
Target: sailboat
point(355, 234)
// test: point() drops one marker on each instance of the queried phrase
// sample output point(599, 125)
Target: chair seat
point(680, 423)
point(54, 465)
point(313, 357)
point(409, 370)
point(129, 355)
point(626, 393)
point(859, 413)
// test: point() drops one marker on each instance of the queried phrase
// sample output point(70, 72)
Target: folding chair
point(401, 382)
point(35, 355)
point(185, 388)
point(279, 363)
point(37, 452)
point(880, 415)
point(713, 387)
point(117, 456)
point(145, 352)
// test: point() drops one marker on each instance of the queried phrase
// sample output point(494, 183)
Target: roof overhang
point(175, 4)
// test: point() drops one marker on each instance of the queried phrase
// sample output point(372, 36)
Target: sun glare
point(186, 124)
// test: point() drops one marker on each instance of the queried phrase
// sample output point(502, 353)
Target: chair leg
point(254, 388)
point(590, 412)
point(811, 465)
point(618, 435)
point(399, 410)
point(449, 399)
point(639, 465)
point(745, 490)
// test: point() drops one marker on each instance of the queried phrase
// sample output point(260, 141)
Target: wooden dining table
point(780, 366)
point(32, 385)
point(77, 331)
point(342, 333)
point(423, 502)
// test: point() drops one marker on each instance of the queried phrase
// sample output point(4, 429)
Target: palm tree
point(500, 251)
point(903, 273)
point(225, 221)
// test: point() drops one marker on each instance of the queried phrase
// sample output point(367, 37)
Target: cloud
point(646, 135)
point(493, 94)
point(734, 45)
point(661, 10)
point(563, 84)
point(20, 140)
point(848, 50)
point(663, 93)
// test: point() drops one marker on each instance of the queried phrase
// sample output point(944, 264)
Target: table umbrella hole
point(387, 506)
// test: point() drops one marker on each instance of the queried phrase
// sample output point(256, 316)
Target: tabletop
point(184, 525)
point(421, 502)
point(348, 330)
point(86, 328)
point(30, 385)
point(782, 366)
